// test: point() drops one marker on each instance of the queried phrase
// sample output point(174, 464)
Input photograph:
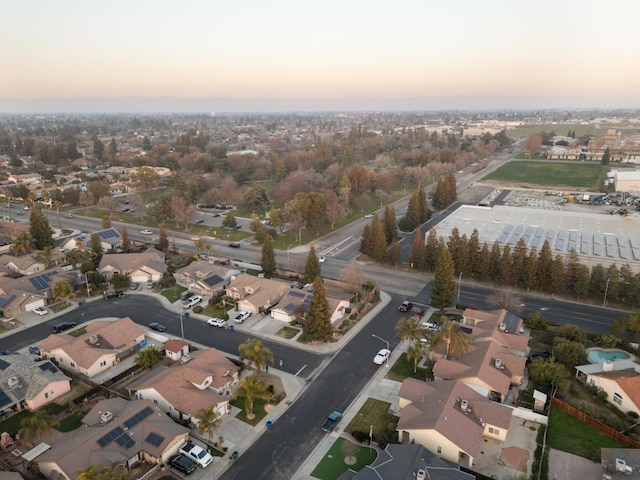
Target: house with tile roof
point(138, 432)
point(182, 389)
point(28, 384)
point(23, 294)
point(148, 266)
point(450, 419)
point(105, 344)
point(205, 278)
point(294, 303)
point(256, 294)
point(619, 379)
point(403, 462)
point(110, 240)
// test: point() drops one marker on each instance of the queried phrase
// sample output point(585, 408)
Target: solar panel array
point(295, 293)
point(154, 439)
point(48, 366)
point(110, 233)
point(585, 243)
point(138, 417)
point(7, 300)
point(4, 399)
point(213, 280)
point(41, 282)
point(3, 365)
point(125, 441)
point(119, 436)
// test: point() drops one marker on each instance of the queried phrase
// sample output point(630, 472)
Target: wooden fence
point(592, 422)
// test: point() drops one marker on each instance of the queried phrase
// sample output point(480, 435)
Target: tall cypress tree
point(443, 293)
point(268, 260)
point(317, 322)
point(389, 224)
point(312, 267)
point(40, 230)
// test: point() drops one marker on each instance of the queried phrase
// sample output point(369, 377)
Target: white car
point(191, 301)
point(216, 322)
point(382, 356)
point(242, 316)
point(40, 311)
point(146, 232)
point(322, 259)
point(369, 215)
point(195, 238)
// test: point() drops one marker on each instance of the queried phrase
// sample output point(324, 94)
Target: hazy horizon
point(74, 56)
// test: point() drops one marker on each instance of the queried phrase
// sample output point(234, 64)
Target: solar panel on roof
point(3, 364)
point(109, 437)
point(125, 441)
point(297, 294)
point(6, 301)
point(48, 366)
point(154, 439)
point(4, 399)
point(138, 417)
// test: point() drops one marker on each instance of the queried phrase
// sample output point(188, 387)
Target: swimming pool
point(599, 355)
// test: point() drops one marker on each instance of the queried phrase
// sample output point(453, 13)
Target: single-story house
point(105, 344)
point(294, 305)
point(148, 266)
point(205, 278)
point(619, 379)
point(116, 432)
point(182, 389)
point(256, 294)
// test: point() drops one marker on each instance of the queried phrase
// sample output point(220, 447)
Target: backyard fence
point(592, 422)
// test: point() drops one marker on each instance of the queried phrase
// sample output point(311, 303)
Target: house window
point(494, 431)
point(46, 395)
point(155, 401)
point(439, 450)
point(103, 363)
point(61, 360)
point(73, 364)
point(617, 399)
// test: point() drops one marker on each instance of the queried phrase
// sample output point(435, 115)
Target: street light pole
point(288, 257)
point(606, 289)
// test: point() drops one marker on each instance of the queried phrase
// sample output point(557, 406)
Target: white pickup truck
point(197, 454)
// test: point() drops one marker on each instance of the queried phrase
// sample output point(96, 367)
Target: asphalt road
point(144, 309)
point(281, 451)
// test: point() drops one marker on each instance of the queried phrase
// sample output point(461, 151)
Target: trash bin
point(80, 304)
point(231, 328)
point(269, 424)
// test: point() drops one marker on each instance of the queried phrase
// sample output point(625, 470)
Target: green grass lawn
point(173, 294)
point(570, 435)
point(334, 462)
point(258, 410)
point(574, 174)
point(287, 332)
point(71, 422)
point(403, 368)
point(373, 413)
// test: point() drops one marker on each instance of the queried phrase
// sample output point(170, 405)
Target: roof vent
point(13, 382)
point(502, 327)
point(106, 417)
point(499, 364)
point(464, 406)
point(93, 339)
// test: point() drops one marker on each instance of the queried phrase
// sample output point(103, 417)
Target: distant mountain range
point(230, 105)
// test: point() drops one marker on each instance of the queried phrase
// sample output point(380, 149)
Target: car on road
point(183, 464)
point(20, 213)
point(146, 232)
point(544, 309)
point(158, 327)
point(216, 322)
point(113, 294)
point(234, 245)
point(382, 356)
point(192, 301)
point(369, 215)
point(63, 326)
point(200, 221)
point(195, 238)
point(69, 215)
point(405, 306)
point(40, 311)
point(322, 259)
point(242, 316)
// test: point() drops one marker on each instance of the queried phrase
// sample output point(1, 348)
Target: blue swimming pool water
point(597, 356)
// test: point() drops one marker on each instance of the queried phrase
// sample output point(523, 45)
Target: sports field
point(563, 129)
point(543, 173)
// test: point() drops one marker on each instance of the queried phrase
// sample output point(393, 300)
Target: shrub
point(197, 309)
point(360, 436)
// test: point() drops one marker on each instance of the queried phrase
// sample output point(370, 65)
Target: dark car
point(186, 295)
point(183, 464)
point(61, 327)
point(233, 455)
point(405, 306)
point(115, 294)
point(234, 245)
point(158, 327)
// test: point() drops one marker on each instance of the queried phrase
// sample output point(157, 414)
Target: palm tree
point(36, 425)
point(63, 290)
point(410, 329)
point(255, 353)
point(22, 244)
point(450, 333)
point(208, 421)
point(252, 389)
point(415, 353)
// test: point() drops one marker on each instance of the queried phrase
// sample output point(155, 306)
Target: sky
point(281, 54)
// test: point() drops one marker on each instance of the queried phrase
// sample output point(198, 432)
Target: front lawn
point(343, 455)
point(403, 368)
point(287, 332)
point(258, 410)
point(373, 414)
point(173, 294)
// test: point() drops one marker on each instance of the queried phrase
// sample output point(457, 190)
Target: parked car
point(146, 232)
point(192, 301)
point(69, 215)
point(158, 327)
point(151, 285)
point(216, 322)
point(35, 350)
point(322, 259)
point(40, 311)
point(183, 464)
point(113, 294)
point(133, 286)
point(382, 356)
point(242, 316)
point(63, 326)
point(186, 295)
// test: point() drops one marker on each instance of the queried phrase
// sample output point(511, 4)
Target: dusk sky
point(561, 53)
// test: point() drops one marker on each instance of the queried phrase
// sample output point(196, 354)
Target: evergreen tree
point(613, 278)
point(431, 250)
point(379, 242)
point(394, 254)
point(606, 156)
point(106, 222)
point(40, 230)
point(518, 260)
point(504, 275)
point(113, 149)
point(423, 208)
point(572, 261)
point(581, 282)
point(389, 224)
point(558, 281)
point(312, 267)
point(443, 293)
point(484, 263)
point(229, 221)
point(597, 282)
point(418, 251)
point(494, 262)
point(530, 270)
point(366, 244)
point(98, 148)
point(474, 254)
point(445, 193)
point(545, 258)
point(268, 260)
point(411, 219)
point(96, 250)
point(317, 322)
point(126, 241)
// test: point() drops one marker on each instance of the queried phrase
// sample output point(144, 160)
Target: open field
point(563, 129)
point(577, 175)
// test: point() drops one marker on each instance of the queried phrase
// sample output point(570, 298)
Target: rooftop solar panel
point(3, 364)
point(138, 417)
point(4, 399)
point(125, 441)
point(48, 366)
point(154, 439)
point(295, 293)
point(6, 300)
point(109, 437)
